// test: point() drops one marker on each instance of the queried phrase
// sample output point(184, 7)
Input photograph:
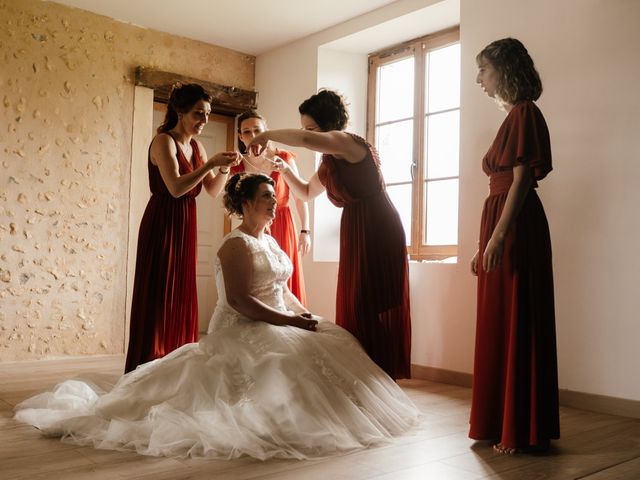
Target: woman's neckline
point(254, 168)
point(261, 237)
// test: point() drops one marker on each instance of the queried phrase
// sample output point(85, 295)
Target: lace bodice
point(271, 270)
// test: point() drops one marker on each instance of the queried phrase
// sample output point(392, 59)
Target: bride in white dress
point(269, 379)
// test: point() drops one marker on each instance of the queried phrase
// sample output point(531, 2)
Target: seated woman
point(269, 380)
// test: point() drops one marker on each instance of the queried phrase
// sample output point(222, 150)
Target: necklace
point(256, 167)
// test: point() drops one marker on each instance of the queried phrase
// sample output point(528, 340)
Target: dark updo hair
point(242, 187)
point(246, 116)
point(328, 109)
point(182, 100)
point(518, 78)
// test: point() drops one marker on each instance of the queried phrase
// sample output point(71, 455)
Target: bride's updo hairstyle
point(242, 187)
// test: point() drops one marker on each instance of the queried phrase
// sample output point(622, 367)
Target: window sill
point(447, 260)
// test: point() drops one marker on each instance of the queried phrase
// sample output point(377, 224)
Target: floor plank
point(593, 446)
point(628, 470)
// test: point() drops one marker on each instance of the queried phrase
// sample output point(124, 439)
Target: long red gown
point(515, 381)
point(283, 228)
point(164, 309)
point(373, 274)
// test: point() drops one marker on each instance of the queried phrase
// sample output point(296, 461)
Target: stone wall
point(65, 156)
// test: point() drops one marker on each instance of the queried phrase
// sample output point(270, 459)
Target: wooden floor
point(593, 446)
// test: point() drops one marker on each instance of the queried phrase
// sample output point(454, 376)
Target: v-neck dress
point(372, 299)
point(515, 379)
point(164, 309)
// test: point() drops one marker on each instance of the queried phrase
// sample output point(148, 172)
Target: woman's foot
point(502, 450)
point(538, 448)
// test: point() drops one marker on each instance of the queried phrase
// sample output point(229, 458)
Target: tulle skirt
point(249, 388)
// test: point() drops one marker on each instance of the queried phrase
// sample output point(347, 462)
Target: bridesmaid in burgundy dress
point(164, 310)
point(515, 380)
point(373, 278)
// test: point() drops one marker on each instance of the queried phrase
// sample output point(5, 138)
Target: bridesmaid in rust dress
point(373, 279)
point(164, 310)
point(515, 382)
point(283, 228)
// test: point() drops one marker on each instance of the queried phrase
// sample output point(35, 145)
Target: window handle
point(412, 169)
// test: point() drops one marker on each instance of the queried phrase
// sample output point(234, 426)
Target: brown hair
point(246, 116)
point(518, 78)
point(182, 100)
point(242, 187)
point(328, 109)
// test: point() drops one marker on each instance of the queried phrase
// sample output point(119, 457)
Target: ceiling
point(248, 26)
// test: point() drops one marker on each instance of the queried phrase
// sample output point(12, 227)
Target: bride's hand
point(306, 321)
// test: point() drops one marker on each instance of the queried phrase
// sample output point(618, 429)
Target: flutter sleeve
point(526, 140)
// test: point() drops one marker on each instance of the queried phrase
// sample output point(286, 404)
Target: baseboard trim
point(54, 362)
point(584, 401)
point(600, 403)
point(441, 375)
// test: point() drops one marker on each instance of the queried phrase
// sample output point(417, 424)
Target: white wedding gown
point(247, 388)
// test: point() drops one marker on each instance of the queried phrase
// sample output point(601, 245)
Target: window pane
point(443, 144)
point(443, 78)
point(442, 212)
point(395, 90)
point(400, 195)
point(395, 146)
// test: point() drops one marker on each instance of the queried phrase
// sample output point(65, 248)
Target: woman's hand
point(305, 321)
point(224, 159)
point(261, 140)
point(492, 254)
point(474, 264)
point(279, 165)
point(304, 243)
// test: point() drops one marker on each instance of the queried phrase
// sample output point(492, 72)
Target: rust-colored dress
point(164, 309)
point(515, 382)
point(283, 228)
point(372, 300)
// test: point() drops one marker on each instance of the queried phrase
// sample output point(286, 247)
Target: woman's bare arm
point(236, 261)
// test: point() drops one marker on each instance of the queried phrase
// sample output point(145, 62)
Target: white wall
point(586, 51)
point(345, 72)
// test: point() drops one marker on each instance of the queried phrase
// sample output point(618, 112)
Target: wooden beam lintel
point(226, 100)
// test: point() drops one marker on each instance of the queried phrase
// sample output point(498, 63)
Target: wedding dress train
point(247, 388)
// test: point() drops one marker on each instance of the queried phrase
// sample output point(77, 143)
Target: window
point(413, 119)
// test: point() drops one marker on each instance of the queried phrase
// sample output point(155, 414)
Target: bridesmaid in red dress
point(283, 228)
point(164, 310)
point(373, 279)
point(515, 380)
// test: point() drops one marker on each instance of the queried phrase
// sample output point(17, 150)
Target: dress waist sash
point(499, 182)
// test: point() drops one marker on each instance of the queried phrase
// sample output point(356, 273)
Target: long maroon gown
point(515, 380)
point(372, 300)
point(164, 309)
